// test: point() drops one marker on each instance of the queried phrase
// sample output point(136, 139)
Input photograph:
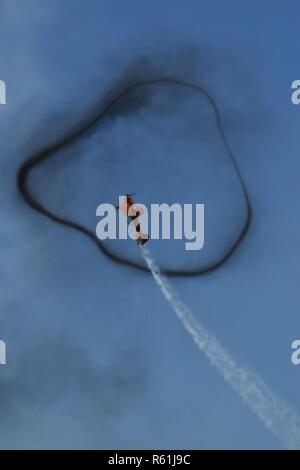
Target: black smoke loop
point(40, 156)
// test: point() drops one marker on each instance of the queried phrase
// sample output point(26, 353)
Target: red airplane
point(129, 204)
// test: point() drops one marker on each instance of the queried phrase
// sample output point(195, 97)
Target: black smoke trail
point(112, 98)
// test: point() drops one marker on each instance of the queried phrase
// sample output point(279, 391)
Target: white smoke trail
point(282, 420)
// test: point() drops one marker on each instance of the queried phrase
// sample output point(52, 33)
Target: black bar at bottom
point(148, 458)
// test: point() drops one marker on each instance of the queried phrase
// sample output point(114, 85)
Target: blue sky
point(96, 358)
